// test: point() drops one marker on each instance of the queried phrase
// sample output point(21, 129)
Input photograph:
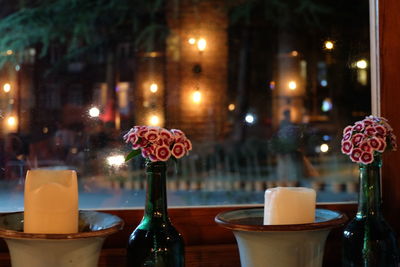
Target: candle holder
point(77, 249)
point(292, 245)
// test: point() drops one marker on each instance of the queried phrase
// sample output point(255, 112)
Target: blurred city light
point(154, 120)
point(192, 41)
point(9, 52)
point(231, 107)
point(7, 87)
point(324, 83)
point(196, 96)
point(326, 105)
point(326, 137)
point(115, 160)
point(272, 85)
point(324, 148)
point(249, 118)
point(94, 112)
point(329, 45)
point(201, 44)
point(292, 85)
point(11, 121)
point(361, 64)
point(153, 88)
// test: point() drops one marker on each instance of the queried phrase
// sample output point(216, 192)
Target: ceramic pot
point(296, 245)
point(61, 250)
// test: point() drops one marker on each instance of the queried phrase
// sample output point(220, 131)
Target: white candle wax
point(289, 205)
point(51, 202)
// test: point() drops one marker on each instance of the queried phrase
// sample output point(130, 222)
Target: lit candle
point(51, 202)
point(289, 205)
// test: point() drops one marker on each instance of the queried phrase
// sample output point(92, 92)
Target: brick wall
point(208, 20)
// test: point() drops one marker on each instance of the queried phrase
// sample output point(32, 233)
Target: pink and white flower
point(370, 130)
point(366, 157)
point(178, 150)
point(158, 144)
point(382, 145)
point(131, 137)
point(152, 136)
point(188, 144)
point(142, 131)
point(346, 136)
point(365, 146)
point(347, 147)
point(374, 143)
point(367, 121)
point(177, 133)
point(380, 130)
point(367, 139)
point(348, 129)
point(162, 153)
point(356, 154)
point(358, 126)
point(357, 138)
point(166, 135)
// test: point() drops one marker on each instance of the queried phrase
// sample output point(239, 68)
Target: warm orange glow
point(153, 88)
point(7, 87)
point(294, 53)
point(329, 45)
point(231, 107)
point(154, 120)
point(292, 85)
point(9, 52)
point(201, 44)
point(362, 64)
point(196, 97)
point(192, 41)
point(11, 121)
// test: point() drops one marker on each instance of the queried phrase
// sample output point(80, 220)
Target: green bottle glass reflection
point(155, 242)
point(368, 239)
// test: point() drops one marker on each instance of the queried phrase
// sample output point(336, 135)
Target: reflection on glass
point(262, 88)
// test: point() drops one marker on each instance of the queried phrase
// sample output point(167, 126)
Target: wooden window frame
point(207, 244)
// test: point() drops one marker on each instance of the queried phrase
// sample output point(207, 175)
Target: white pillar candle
point(289, 205)
point(51, 202)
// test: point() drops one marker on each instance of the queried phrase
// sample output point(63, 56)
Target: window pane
point(263, 88)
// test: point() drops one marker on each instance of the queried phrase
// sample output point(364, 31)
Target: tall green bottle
point(155, 242)
point(368, 239)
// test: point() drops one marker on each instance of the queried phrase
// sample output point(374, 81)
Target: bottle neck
point(156, 195)
point(369, 200)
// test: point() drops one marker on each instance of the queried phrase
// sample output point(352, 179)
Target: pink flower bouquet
point(367, 139)
point(157, 144)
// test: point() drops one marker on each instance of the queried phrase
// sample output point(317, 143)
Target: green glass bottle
point(155, 242)
point(368, 239)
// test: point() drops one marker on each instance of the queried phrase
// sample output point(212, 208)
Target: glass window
point(263, 88)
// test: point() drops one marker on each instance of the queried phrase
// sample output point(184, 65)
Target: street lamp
point(154, 120)
point(329, 45)
point(362, 64)
point(192, 41)
point(292, 85)
point(153, 87)
point(115, 160)
point(7, 87)
point(196, 96)
point(201, 44)
point(94, 112)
